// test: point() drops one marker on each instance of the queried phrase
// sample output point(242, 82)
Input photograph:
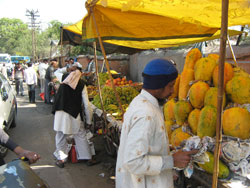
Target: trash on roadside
point(102, 175)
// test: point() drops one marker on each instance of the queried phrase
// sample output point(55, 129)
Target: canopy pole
point(232, 51)
point(60, 62)
point(99, 88)
point(223, 39)
point(106, 61)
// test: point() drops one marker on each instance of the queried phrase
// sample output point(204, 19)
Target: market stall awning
point(72, 35)
point(169, 42)
point(162, 23)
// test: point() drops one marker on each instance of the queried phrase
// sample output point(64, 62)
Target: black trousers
point(2, 162)
point(31, 90)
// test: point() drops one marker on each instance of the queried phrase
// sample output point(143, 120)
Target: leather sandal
point(60, 163)
point(92, 162)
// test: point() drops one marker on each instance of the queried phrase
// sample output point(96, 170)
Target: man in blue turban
point(144, 158)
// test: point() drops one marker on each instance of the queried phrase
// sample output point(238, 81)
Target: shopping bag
point(42, 96)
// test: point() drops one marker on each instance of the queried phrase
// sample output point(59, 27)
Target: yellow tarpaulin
point(149, 44)
point(143, 45)
point(75, 28)
point(162, 23)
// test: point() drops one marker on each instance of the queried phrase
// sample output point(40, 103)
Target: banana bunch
point(103, 77)
point(109, 100)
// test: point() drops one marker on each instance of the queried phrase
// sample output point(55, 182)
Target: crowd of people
point(69, 116)
point(144, 158)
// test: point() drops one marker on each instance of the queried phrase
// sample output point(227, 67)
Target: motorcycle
point(18, 174)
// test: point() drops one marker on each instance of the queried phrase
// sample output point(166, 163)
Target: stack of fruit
point(109, 100)
point(194, 101)
point(119, 82)
point(92, 91)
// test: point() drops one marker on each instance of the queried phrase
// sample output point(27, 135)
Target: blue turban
point(158, 73)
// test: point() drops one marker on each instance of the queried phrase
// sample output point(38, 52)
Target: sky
point(65, 11)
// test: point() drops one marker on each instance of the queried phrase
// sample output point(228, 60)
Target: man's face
point(55, 64)
point(167, 91)
point(71, 61)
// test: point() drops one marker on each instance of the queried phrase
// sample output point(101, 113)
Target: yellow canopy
point(143, 45)
point(75, 28)
point(162, 23)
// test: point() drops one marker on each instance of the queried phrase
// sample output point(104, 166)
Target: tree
point(54, 30)
point(12, 33)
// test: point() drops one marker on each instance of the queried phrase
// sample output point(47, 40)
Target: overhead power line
point(33, 15)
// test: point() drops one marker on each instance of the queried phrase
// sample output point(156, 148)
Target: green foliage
point(16, 39)
point(12, 33)
point(53, 32)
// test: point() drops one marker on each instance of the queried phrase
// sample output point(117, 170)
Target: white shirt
point(3, 69)
point(42, 67)
point(143, 143)
point(59, 73)
point(30, 76)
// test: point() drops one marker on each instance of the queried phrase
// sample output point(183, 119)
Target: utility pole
point(33, 25)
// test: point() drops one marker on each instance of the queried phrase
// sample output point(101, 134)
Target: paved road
point(34, 131)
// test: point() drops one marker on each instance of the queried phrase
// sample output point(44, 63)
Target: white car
point(8, 108)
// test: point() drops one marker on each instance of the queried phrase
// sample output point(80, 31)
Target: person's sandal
point(92, 162)
point(60, 163)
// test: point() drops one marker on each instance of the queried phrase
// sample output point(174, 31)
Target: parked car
point(6, 59)
point(8, 108)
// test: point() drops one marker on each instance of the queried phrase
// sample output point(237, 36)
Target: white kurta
point(143, 143)
point(65, 125)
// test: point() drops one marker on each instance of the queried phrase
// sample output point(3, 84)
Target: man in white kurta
point(42, 67)
point(144, 159)
point(65, 124)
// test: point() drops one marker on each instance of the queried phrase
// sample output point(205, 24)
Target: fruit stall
point(194, 105)
point(126, 90)
point(191, 113)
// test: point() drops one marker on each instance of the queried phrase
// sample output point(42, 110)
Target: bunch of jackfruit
point(194, 101)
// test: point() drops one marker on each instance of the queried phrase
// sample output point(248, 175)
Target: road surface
point(35, 132)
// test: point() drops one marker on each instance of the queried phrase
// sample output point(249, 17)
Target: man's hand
point(182, 158)
point(86, 73)
point(87, 126)
point(55, 80)
point(32, 156)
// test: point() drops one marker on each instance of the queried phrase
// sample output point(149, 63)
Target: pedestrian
point(4, 71)
point(49, 77)
point(68, 120)
point(6, 141)
point(31, 80)
point(67, 68)
point(18, 75)
point(70, 62)
point(90, 70)
point(144, 158)
point(42, 67)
